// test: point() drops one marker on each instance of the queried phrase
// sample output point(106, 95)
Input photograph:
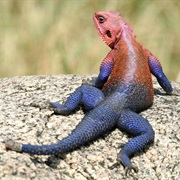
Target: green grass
point(59, 37)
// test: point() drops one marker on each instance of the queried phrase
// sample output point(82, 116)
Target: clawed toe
point(89, 81)
point(128, 170)
point(41, 105)
point(55, 105)
point(86, 81)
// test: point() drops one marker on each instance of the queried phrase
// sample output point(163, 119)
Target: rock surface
point(24, 123)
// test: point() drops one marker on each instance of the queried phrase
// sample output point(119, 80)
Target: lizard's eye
point(108, 33)
point(101, 19)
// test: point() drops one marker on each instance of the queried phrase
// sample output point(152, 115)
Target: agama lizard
point(122, 89)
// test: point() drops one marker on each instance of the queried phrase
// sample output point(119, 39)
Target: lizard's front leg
point(157, 71)
point(105, 71)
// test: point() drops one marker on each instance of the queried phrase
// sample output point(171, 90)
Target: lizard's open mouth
point(108, 33)
point(104, 34)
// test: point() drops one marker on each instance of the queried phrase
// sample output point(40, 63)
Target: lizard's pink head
point(110, 26)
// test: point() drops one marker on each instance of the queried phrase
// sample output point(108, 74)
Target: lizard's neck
point(126, 55)
point(126, 38)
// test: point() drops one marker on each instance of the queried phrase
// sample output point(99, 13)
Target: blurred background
point(58, 36)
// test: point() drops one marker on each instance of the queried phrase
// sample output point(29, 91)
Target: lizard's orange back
point(130, 68)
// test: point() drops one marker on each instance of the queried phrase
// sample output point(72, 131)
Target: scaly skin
point(122, 89)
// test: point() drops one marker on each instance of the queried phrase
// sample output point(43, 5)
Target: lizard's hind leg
point(85, 95)
point(139, 127)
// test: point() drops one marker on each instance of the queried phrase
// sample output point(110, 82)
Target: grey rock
point(24, 123)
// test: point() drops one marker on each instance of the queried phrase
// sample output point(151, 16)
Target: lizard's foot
point(126, 162)
point(55, 105)
point(170, 93)
point(12, 145)
point(128, 170)
point(42, 105)
point(59, 108)
point(89, 81)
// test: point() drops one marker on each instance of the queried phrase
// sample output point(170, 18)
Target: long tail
point(92, 126)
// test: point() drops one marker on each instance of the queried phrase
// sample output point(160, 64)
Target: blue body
point(115, 107)
point(104, 113)
point(122, 89)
